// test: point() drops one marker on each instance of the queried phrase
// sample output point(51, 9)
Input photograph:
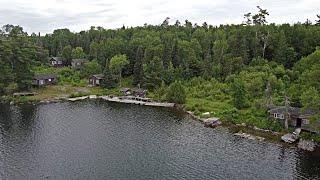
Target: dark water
point(97, 140)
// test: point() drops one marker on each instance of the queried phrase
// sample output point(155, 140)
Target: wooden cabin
point(43, 80)
point(297, 118)
point(95, 80)
point(77, 63)
point(56, 62)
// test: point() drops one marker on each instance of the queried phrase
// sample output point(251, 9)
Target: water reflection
point(99, 140)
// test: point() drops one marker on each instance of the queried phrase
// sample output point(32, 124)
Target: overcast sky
point(46, 15)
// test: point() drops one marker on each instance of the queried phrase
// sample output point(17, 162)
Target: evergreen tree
point(176, 93)
point(239, 93)
point(67, 54)
point(153, 72)
point(138, 69)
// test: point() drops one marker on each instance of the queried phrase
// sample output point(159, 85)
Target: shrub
point(176, 93)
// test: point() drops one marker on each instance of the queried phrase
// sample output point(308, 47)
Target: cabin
point(57, 62)
point(95, 80)
point(297, 117)
point(139, 92)
point(43, 80)
point(77, 63)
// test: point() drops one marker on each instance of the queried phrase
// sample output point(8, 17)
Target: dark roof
point(292, 110)
point(45, 76)
point(98, 76)
point(79, 60)
point(57, 58)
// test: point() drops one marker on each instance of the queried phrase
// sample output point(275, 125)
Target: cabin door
point(299, 123)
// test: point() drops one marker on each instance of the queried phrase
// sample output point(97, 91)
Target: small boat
point(212, 122)
point(291, 137)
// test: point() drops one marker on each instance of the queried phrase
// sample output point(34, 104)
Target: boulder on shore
point(307, 145)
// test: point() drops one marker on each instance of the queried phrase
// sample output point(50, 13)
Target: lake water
point(100, 140)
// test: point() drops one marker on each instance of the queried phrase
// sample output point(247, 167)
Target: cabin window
point(278, 116)
point(305, 121)
point(53, 62)
point(41, 82)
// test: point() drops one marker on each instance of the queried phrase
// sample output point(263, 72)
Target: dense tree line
point(255, 59)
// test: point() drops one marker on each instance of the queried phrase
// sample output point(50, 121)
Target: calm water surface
point(99, 140)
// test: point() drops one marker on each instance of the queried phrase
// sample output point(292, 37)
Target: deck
point(138, 102)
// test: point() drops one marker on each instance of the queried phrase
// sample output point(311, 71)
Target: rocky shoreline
point(306, 145)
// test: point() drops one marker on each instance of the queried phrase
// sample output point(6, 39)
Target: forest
point(232, 71)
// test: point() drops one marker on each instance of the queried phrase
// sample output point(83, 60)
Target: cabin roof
point(44, 76)
point(98, 76)
point(56, 58)
point(292, 110)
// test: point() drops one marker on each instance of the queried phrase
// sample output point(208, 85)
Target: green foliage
point(153, 72)
point(239, 93)
point(117, 63)
point(110, 80)
point(138, 69)
point(67, 54)
point(78, 53)
point(90, 68)
point(176, 93)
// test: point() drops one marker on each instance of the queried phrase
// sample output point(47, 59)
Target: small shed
point(95, 80)
point(56, 61)
point(77, 63)
point(45, 79)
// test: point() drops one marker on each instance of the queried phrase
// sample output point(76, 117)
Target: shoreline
point(240, 130)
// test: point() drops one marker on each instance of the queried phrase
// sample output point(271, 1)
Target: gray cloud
point(46, 15)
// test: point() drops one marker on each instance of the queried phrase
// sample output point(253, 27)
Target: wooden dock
point(131, 101)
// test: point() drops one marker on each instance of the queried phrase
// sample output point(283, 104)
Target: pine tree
point(109, 80)
point(239, 93)
point(138, 69)
point(175, 55)
point(176, 93)
point(166, 56)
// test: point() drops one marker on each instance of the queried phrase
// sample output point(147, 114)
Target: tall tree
point(67, 54)
point(138, 69)
point(78, 53)
point(117, 63)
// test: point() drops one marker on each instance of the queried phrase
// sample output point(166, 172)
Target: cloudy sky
point(46, 15)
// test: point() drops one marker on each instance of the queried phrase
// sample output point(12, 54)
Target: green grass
point(200, 106)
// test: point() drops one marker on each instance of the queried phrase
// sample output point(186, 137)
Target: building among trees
point(96, 80)
point(78, 63)
point(56, 62)
point(43, 80)
point(297, 117)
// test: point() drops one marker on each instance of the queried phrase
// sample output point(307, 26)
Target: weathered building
point(56, 62)
point(43, 80)
point(77, 63)
point(96, 80)
point(297, 117)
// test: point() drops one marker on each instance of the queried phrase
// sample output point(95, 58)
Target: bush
point(176, 93)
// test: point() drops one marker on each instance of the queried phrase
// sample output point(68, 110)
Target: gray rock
point(307, 145)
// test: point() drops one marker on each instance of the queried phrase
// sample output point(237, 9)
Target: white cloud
point(46, 15)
